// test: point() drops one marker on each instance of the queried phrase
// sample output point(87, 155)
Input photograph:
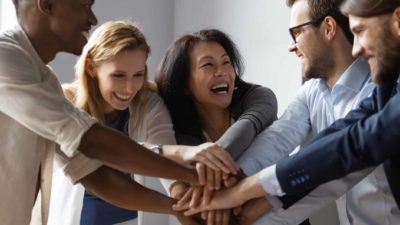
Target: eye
point(227, 62)
point(206, 65)
point(138, 75)
point(118, 75)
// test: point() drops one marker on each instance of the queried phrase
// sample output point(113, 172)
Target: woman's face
point(212, 76)
point(121, 78)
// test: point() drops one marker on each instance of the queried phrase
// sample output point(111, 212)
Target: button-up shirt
point(35, 118)
point(315, 108)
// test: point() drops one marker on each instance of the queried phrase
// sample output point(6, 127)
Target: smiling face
point(121, 79)
point(71, 22)
point(311, 46)
point(212, 76)
point(375, 40)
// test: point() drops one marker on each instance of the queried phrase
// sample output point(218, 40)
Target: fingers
point(196, 196)
point(226, 216)
point(201, 172)
point(217, 179)
point(207, 194)
point(211, 217)
point(184, 202)
point(210, 178)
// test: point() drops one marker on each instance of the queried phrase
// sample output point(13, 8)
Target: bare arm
point(120, 190)
point(118, 151)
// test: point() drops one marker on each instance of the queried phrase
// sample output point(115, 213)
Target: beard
point(386, 68)
point(318, 64)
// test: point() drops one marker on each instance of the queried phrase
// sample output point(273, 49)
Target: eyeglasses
point(295, 31)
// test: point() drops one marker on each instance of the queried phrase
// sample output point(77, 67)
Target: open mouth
point(122, 97)
point(220, 88)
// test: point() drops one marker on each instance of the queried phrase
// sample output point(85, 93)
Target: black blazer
point(367, 136)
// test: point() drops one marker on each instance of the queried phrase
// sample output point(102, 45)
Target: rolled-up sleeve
point(28, 97)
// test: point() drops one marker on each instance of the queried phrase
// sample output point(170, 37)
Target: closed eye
point(206, 64)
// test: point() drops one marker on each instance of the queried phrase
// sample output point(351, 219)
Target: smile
point(122, 97)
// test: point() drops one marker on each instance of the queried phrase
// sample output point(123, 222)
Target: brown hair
point(368, 8)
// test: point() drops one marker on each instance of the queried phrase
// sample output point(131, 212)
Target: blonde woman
point(111, 84)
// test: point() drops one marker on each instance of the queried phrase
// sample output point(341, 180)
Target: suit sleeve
point(348, 145)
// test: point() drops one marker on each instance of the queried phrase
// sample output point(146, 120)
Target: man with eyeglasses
point(365, 138)
point(337, 82)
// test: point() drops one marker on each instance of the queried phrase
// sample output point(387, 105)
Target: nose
point(292, 46)
point(357, 49)
point(93, 19)
point(220, 72)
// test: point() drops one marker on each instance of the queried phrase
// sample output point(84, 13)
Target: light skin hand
point(252, 210)
point(212, 155)
point(246, 189)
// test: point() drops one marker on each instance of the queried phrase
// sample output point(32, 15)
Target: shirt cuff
point(73, 131)
point(275, 202)
point(80, 166)
point(269, 181)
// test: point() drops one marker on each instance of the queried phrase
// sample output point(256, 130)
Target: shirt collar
point(353, 78)
point(26, 44)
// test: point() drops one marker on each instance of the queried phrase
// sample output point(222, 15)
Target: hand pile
point(215, 200)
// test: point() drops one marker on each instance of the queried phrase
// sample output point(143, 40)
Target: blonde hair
point(105, 43)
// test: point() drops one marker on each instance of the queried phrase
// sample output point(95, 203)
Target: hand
point(185, 220)
point(223, 199)
point(212, 155)
point(252, 210)
point(178, 189)
point(218, 217)
point(209, 177)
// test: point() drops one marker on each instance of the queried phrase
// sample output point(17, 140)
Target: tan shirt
point(34, 117)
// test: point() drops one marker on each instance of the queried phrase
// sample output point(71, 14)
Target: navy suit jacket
point(367, 136)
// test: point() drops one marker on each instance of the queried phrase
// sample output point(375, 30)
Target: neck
point(39, 38)
point(343, 59)
point(214, 121)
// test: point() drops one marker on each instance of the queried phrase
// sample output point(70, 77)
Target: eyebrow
point(210, 57)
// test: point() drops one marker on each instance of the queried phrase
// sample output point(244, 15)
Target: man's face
point(71, 22)
point(311, 46)
point(376, 41)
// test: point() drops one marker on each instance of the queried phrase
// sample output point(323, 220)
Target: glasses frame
point(312, 22)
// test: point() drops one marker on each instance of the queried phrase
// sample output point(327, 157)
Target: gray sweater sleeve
point(253, 111)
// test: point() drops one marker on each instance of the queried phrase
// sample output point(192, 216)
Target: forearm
point(174, 152)
point(250, 188)
point(120, 190)
point(100, 143)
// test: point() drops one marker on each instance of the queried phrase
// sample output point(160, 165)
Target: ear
point(90, 68)
point(45, 6)
point(396, 21)
point(330, 26)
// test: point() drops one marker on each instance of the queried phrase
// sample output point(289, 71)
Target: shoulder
point(154, 101)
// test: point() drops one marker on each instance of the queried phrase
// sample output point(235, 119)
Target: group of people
point(81, 150)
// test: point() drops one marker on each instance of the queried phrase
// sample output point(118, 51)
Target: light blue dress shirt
point(314, 108)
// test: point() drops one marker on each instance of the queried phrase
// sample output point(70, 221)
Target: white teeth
point(220, 86)
point(121, 96)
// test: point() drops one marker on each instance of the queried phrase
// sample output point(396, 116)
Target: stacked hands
point(216, 199)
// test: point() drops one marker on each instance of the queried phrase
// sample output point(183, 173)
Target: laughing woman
point(200, 82)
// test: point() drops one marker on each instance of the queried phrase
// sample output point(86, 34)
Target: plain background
point(258, 27)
